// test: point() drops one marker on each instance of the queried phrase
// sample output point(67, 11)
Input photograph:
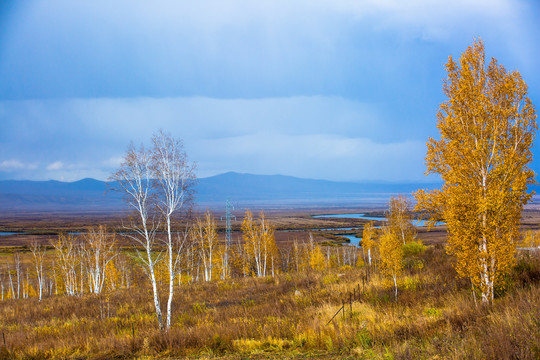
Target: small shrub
point(269, 344)
point(199, 308)
point(330, 279)
point(410, 283)
point(433, 312)
point(414, 248)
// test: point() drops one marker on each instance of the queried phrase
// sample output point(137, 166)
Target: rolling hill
point(94, 195)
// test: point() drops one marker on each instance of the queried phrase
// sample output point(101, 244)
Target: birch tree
point(10, 282)
point(391, 253)
point(38, 253)
point(17, 263)
point(487, 127)
point(100, 251)
point(369, 239)
point(205, 237)
point(2, 282)
point(399, 218)
point(134, 180)
point(66, 262)
point(174, 176)
point(259, 242)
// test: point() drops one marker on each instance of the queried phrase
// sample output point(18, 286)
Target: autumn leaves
point(487, 127)
point(385, 246)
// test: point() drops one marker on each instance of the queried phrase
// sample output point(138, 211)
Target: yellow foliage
point(487, 127)
point(399, 218)
point(31, 291)
point(269, 344)
point(317, 260)
point(330, 279)
point(112, 276)
point(259, 244)
point(391, 252)
point(204, 233)
point(186, 278)
point(531, 239)
point(369, 241)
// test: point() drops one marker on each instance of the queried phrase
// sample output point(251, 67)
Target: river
point(355, 240)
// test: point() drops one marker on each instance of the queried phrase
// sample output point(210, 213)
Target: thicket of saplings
point(84, 298)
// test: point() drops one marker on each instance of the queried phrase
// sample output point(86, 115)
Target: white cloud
point(57, 165)
point(12, 165)
point(113, 162)
point(293, 135)
point(16, 165)
point(315, 156)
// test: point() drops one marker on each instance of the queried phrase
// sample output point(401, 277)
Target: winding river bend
point(355, 240)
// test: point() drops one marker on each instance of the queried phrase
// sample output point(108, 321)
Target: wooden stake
point(341, 308)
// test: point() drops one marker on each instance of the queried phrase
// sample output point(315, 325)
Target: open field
point(44, 227)
point(286, 316)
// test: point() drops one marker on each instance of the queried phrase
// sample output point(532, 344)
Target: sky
point(326, 89)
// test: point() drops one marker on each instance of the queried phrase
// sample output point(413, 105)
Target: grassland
point(290, 316)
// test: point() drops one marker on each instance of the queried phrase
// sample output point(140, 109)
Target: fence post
point(336, 314)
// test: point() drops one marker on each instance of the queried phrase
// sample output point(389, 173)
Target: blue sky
point(340, 90)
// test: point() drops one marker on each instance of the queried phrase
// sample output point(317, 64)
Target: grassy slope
point(435, 315)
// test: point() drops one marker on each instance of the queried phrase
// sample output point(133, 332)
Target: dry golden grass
point(435, 316)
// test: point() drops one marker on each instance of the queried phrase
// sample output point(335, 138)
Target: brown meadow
point(290, 316)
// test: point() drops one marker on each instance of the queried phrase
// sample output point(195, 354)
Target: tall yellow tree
point(316, 259)
point(487, 127)
point(369, 240)
point(399, 218)
point(391, 252)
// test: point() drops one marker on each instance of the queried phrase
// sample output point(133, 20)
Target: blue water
point(362, 216)
point(10, 233)
point(354, 240)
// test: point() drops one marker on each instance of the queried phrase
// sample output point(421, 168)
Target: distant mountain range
point(93, 195)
